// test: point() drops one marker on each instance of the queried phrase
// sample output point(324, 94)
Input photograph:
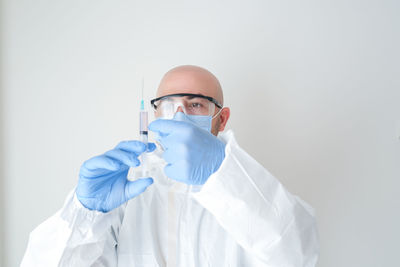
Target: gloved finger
point(135, 146)
point(180, 116)
point(165, 127)
point(126, 157)
point(132, 146)
point(173, 139)
point(97, 165)
point(134, 188)
point(151, 147)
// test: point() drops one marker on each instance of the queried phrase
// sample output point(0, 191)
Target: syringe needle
point(142, 87)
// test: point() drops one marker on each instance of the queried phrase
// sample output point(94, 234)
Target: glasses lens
point(167, 107)
point(198, 106)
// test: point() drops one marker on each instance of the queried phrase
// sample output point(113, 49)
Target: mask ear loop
point(213, 117)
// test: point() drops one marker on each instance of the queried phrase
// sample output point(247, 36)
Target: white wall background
point(314, 88)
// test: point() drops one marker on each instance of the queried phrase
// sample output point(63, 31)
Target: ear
point(223, 118)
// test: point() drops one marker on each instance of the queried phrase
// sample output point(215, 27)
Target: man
point(207, 203)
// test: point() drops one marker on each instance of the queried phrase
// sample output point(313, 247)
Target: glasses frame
point(209, 98)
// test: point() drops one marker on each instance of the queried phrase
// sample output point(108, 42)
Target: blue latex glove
point(102, 183)
point(192, 153)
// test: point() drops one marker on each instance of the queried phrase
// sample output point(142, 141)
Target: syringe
point(143, 132)
point(141, 170)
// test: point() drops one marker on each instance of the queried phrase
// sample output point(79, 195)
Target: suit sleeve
point(259, 213)
point(75, 236)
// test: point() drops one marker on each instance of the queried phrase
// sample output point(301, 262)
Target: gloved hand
point(192, 153)
point(102, 183)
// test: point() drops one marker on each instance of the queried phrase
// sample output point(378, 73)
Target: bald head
point(190, 79)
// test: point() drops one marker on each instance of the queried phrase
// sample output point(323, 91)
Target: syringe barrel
point(144, 138)
point(143, 119)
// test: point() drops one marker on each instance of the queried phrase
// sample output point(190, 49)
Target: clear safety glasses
point(191, 104)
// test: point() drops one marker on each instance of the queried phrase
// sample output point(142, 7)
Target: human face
point(195, 80)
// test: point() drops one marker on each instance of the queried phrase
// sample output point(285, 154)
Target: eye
point(196, 105)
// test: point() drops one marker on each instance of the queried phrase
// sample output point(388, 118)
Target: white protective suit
point(242, 216)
